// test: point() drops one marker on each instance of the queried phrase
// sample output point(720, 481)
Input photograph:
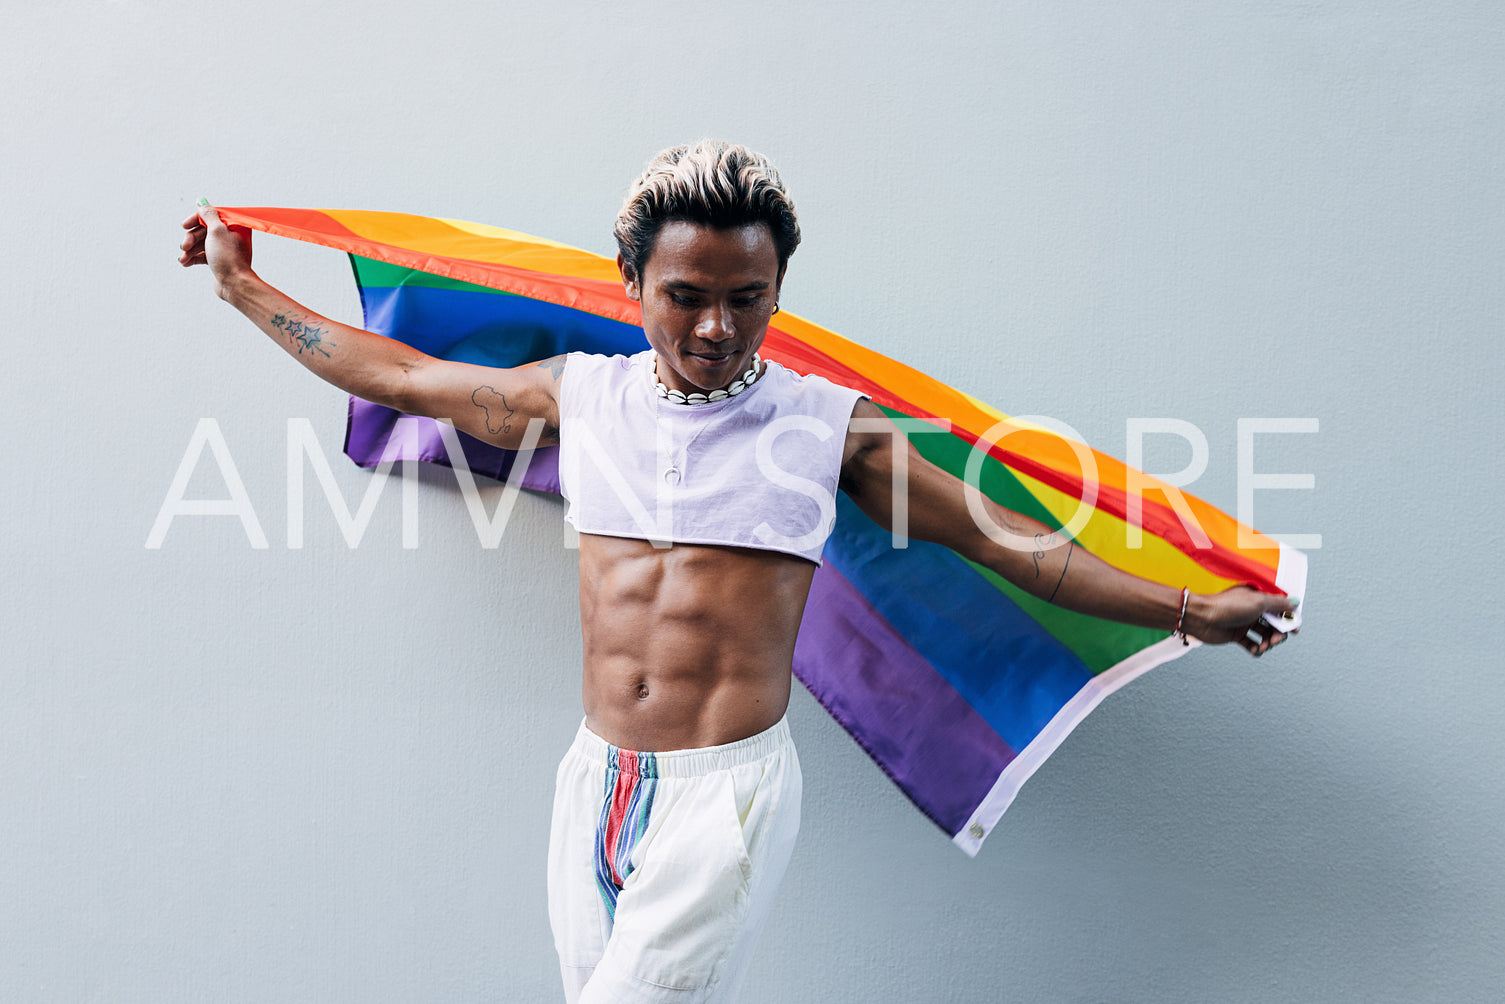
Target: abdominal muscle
point(688, 646)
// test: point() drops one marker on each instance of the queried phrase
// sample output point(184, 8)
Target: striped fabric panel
point(455, 254)
point(956, 682)
point(631, 779)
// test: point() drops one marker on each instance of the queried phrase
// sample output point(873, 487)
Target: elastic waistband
point(682, 763)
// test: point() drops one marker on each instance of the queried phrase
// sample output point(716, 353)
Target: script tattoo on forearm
point(1043, 543)
point(306, 335)
point(494, 404)
point(1064, 565)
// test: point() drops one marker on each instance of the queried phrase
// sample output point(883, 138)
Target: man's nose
point(715, 324)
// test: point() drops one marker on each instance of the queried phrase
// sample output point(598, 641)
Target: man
point(677, 805)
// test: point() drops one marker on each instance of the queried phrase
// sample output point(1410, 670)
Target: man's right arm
point(1035, 557)
point(494, 405)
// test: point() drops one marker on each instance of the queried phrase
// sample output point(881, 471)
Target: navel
point(642, 691)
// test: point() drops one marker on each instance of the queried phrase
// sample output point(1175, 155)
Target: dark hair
point(712, 182)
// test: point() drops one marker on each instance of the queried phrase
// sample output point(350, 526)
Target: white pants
point(663, 866)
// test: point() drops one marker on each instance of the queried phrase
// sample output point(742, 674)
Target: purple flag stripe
point(374, 432)
point(915, 726)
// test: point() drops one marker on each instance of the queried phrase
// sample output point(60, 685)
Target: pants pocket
point(683, 909)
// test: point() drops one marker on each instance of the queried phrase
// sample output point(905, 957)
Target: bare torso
point(688, 646)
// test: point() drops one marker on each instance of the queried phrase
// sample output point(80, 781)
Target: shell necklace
point(736, 387)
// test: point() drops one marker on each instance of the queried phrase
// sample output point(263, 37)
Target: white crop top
point(756, 470)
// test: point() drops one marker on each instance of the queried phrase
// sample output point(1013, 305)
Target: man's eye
point(745, 302)
point(683, 301)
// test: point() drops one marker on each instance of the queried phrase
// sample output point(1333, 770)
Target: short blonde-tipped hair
point(711, 182)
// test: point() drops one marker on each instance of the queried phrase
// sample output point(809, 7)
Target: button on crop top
point(756, 470)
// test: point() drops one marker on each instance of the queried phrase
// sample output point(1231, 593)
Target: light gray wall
point(324, 774)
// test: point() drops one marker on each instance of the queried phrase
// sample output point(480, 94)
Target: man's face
point(707, 295)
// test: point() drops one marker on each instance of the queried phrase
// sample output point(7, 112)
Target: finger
point(1258, 637)
point(1275, 638)
point(1282, 606)
point(209, 214)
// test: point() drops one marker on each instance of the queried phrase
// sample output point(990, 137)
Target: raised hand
point(1237, 615)
point(226, 250)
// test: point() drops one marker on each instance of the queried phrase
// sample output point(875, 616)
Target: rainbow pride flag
point(955, 682)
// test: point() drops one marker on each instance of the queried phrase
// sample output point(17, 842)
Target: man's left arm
point(1047, 565)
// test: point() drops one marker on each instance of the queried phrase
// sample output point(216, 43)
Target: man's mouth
point(712, 358)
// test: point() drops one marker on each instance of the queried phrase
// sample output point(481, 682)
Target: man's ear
point(630, 281)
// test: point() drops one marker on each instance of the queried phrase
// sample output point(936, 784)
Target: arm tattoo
point(494, 404)
point(1043, 543)
point(1064, 565)
point(554, 366)
point(306, 335)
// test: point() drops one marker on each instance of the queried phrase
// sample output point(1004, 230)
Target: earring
point(775, 308)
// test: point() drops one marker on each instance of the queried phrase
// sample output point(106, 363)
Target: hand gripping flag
point(957, 683)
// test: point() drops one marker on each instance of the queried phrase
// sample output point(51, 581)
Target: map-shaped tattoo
point(498, 415)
